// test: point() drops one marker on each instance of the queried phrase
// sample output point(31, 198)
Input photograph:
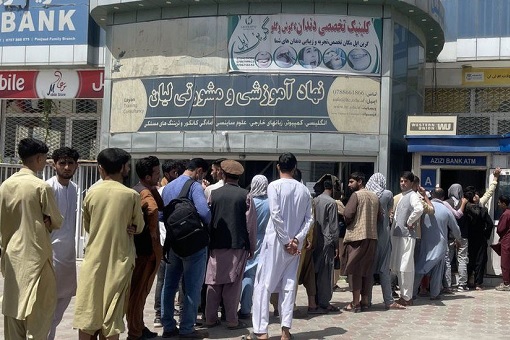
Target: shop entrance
point(476, 178)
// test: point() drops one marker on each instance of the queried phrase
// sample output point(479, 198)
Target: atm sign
point(454, 160)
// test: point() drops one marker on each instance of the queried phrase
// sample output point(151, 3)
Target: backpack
point(185, 233)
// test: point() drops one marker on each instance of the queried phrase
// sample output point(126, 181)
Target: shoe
point(240, 325)
point(462, 289)
point(157, 322)
point(395, 295)
point(172, 334)
point(447, 291)
point(196, 334)
point(435, 298)
point(243, 316)
point(317, 310)
point(365, 306)
point(148, 334)
point(503, 288)
point(404, 302)
point(214, 324)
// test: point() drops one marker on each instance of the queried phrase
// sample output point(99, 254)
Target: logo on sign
point(474, 76)
point(58, 83)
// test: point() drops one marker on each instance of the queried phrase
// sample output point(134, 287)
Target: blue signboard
point(43, 22)
point(428, 178)
point(464, 161)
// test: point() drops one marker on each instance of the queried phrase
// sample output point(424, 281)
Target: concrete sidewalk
point(469, 315)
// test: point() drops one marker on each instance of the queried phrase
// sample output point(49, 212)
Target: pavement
point(463, 315)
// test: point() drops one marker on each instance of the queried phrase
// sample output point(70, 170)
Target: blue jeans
point(192, 269)
point(247, 290)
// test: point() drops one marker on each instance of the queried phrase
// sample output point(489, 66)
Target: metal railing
point(86, 175)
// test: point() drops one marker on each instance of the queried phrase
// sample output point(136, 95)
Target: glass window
point(468, 18)
point(489, 19)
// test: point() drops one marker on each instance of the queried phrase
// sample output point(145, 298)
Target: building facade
point(51, 84)
point(469, 83)
point(331, 81)
point(51, 75)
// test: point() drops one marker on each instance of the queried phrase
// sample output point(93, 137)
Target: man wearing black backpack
point(190, 267)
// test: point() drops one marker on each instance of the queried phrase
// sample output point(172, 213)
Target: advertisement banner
point(431, 125)
point(48, 22)
point(52, 84)
point(485, 76)
point(287, 43)
point(247, 103)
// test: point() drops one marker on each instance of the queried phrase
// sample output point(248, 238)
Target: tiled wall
point(51, 55)
point(476, 49)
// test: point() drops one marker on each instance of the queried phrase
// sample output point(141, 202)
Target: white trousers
point(62, 304)
point(406, 284)
point(286, 290)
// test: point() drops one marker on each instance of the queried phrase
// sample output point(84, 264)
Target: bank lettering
point(41, 21)
point(453, 161)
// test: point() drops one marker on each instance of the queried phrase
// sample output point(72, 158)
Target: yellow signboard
point(485, 76)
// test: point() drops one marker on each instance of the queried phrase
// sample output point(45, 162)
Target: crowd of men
point(263, 242)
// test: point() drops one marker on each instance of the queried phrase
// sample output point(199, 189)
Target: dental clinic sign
point(43, 22)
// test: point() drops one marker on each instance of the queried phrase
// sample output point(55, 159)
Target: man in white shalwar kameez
point(403, 240)
point(290, 207)
point(65, 162)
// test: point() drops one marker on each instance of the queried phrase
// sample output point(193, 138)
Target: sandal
point(395, 305)
point(253, 336)
point(289, 338)
point(478, 288)
point(352, 308)
point(333, 309)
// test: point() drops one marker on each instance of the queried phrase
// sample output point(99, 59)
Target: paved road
point(469, 315)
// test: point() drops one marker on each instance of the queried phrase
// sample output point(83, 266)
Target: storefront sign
point(428, 178)
point(431, 125)
point(52, 84)
point(470, 161)
point(305, 44)
point(485, 76)
point(247, 103)
point(48, 22)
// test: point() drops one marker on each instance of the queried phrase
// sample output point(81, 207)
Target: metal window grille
point(74, 123)
point(479, 111)
point(503, 126)
point(447, 100)
point(85, 176)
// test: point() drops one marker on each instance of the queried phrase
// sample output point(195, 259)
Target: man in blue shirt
point(190, 268)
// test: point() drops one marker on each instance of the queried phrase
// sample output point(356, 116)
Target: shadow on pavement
point(320, 334)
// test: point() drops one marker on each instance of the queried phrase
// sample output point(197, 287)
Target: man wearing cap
point(233, 232)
